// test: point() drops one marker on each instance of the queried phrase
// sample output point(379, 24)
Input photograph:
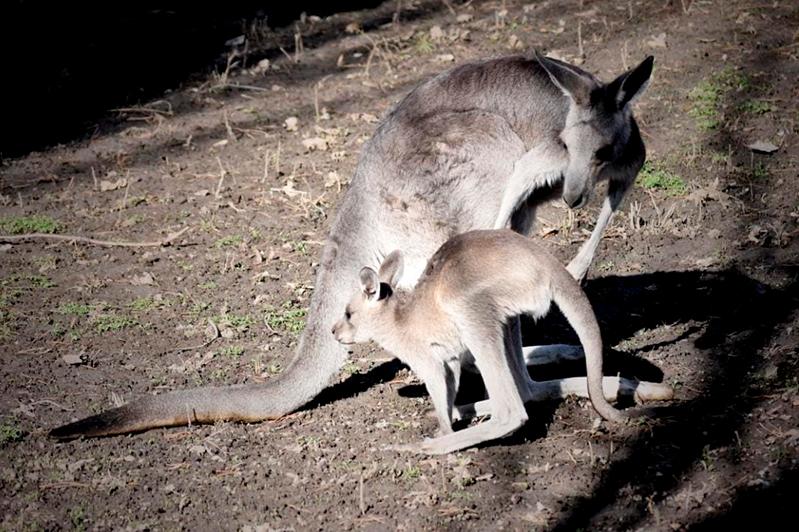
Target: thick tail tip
point(103, 424)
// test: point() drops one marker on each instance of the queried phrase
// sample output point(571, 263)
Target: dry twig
point(14, 239)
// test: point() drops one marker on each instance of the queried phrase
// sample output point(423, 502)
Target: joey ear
point(391, 269)
point(572, 81)
point(632, 84)
point(370, 282)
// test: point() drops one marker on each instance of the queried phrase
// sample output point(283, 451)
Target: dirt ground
point(695, 284)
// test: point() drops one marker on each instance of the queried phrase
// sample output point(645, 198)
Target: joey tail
point(574, 305)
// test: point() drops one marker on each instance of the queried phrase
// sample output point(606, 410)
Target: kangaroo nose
point(574, 201)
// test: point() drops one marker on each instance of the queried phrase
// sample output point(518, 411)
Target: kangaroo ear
point(572, 81)
point(370, 282)
point(632, 84)
point(391, 269)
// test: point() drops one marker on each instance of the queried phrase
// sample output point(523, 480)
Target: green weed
point(113, 323)
point(653, 176)
point(16, 225)
point(226, 241)
point(288, 318)
point(708, 96)
point(233, 351)
point(75, 309)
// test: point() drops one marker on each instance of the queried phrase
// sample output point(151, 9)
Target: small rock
point(436, 33)
point(658, 41)
point(145, 279)
point(262, 66)
point(291, 123)
point(211, 331)
point(235, 41)
point(445, 58)
point(762, 146)
point(315, 143)
point(464, 17)
point(106, 186)
point(74, 360)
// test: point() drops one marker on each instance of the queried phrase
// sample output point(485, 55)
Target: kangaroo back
point(573, 303)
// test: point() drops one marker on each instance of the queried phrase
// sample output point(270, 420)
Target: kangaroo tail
point(574, 305)
point(317, 359)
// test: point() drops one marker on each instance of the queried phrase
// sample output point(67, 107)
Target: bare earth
point(695, 284)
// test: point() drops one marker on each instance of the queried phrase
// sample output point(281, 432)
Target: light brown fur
point(473, 285)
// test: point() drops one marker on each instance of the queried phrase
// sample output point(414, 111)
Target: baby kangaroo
point(454, 317)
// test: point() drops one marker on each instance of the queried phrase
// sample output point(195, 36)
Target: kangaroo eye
point(347, 314)
point(604, 154)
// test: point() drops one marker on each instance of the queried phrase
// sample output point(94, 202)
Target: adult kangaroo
point(476, 147)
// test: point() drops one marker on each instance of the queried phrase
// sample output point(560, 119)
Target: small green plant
point(412, 472)
point(240, 323)
point(759, 171)
point(233, 351)
point(757, 107)
point(210, 285)
point(40, 281)
point(113, 323)
point(351, 368)
point(300, 246)
point(226, 241)
point(75, 309)
point(653, 176)
point(10, 433)
point(423, 44)
point(77, 517)
point(143, 304)
point(17, 225)
point(707, 97)
point(289, 318)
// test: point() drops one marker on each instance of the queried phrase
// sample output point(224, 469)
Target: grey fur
point(467, 149)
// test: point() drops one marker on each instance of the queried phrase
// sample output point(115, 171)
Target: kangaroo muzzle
point(575, 199)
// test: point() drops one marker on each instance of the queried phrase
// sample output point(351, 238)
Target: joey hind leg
point(507, 408)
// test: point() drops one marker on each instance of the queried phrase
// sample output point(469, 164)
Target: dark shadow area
point(356, 384)
point(767, 505)
point(68, 64)
point(740, 316)
point(742, 322)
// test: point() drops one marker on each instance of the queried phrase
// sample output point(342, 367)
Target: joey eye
point(604, 154)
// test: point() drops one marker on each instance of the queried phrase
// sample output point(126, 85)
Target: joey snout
point(342, 333)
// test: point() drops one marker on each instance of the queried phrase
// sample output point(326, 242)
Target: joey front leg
point(578, 267)
point(441, 380)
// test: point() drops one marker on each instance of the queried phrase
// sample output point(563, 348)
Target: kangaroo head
point(598, 123)
point(369, 311)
